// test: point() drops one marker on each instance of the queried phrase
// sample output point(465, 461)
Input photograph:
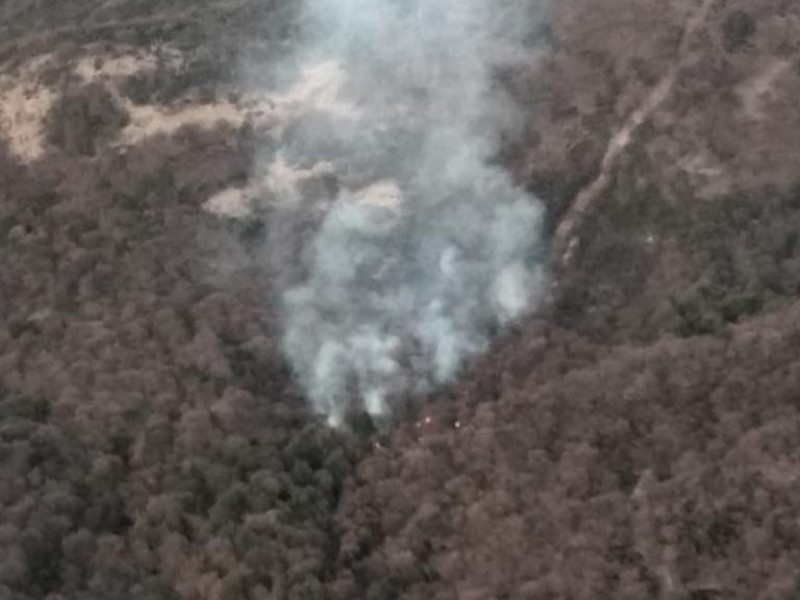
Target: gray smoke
point(426, 247)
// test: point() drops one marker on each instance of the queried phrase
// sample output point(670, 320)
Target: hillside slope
point(636, 438)
point(575, 472)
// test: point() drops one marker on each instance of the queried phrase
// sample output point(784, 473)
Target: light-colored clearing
point(232, 202)
point(385, 194)
point(24, 105)
point(279, 183)
point(91, 68)
point(149, 120)
point(318, 89)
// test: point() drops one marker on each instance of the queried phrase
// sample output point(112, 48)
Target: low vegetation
point(636, 439)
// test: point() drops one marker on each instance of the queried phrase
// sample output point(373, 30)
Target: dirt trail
point(564, 240)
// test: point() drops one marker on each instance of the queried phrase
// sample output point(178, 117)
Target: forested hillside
point(635, 437)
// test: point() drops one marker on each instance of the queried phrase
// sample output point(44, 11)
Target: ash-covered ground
point(632, 433)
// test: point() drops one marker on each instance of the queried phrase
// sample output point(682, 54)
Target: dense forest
point(637, 437)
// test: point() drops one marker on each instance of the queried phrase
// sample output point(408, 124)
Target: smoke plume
point(425, 246)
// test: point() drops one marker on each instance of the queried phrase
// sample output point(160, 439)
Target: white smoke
point(426, 247)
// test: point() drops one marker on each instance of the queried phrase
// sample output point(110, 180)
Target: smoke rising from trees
point(427, 247)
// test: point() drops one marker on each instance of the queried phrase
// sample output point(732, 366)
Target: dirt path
point(564, 240)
